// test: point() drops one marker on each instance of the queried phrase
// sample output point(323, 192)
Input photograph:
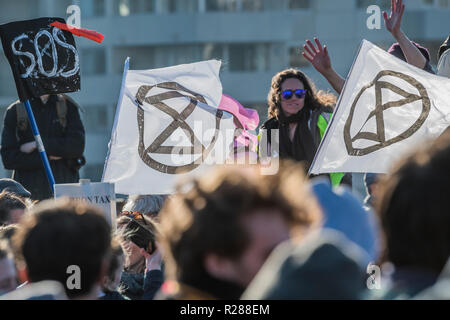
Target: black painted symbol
point(179, 121)
point(380, 136)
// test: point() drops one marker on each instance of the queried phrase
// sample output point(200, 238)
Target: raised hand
point(321, 61)
point(318, 57)
point(153, 261)
point(394, 21)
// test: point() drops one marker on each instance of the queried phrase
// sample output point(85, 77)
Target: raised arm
point(320, 59)
point(393, 24)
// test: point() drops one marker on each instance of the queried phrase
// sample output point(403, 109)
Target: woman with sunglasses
point(299, 112)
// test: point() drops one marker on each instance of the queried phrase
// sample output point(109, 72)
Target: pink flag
point(248, 118)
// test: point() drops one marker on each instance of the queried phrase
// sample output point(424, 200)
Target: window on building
point(299, 4)
point(150, 57)
point(213, 51)
point(60, 7)
point(93, 61)
point(364, 4)
point(296, 59)
point(7, 87)
point(248, 57)
point(129, 7)
point(95, 118)
point(438, 3)
point(92, 8)
point(222, 5)
point(252, 5)
point(178, 54)
point(184, 6)
point(93, 172)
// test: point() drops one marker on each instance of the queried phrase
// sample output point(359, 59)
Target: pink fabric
point(248, 118)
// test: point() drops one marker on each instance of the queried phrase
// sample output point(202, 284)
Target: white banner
point(386, 108)
point(167, 122)
point(99, 194)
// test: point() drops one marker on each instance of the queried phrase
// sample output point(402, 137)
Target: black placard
point(43, 58)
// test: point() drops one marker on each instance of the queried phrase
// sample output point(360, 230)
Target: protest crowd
point(233, 232)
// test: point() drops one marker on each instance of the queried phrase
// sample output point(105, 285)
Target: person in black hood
point(63, 137)
point(444, 47)
point(444, 59)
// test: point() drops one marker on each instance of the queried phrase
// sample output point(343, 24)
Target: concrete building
point(254, 39)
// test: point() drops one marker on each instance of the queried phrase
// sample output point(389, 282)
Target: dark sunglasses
point(134, 215)
point(288, 94)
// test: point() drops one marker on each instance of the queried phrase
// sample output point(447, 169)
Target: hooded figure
point(444, 47)
point(444, 59)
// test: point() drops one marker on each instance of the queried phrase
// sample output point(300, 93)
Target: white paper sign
point(100, 194)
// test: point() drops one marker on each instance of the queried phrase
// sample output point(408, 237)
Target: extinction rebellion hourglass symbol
point(380, 135)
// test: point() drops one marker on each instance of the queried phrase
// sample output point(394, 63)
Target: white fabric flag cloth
point(386, 108)
point(167, 120)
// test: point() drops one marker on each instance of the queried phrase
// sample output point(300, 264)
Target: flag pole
point(40, 145)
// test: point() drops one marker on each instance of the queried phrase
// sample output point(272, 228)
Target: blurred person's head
point(292, 79)
point(397, 51)
point(414, 211)
point(7, 232)
point(136, 232)
point(146, 204)
point(59, 234)
point(443, 68)
point(8, 275)
point(15, 187)
point(112, 278)
point(219, 233)
point(12, 208)
point(444, 47)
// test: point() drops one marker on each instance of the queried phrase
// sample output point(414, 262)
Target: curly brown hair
point(314, 99)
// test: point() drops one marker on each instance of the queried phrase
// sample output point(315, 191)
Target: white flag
point(167, 121)
point(386, 108)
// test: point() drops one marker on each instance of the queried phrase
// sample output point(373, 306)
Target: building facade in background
point(254, 39)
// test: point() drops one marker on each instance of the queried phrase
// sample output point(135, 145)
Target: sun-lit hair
point(313, 100)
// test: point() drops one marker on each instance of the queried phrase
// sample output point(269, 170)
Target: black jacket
point(67, 143)
point(445, 45)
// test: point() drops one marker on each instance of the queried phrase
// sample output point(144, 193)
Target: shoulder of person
point(13, 105)
point(69, 101)
point(271, 123)
point(326, 109)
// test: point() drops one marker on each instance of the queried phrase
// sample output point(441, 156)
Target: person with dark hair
point(415, 219)
point(301, 114)
point(12, 208)
point(143, 272)
point(217, 235)
point(60, 236)
point(62, 134)
point(14, 187)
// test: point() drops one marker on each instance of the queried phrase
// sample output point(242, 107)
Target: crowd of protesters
point(235, 233)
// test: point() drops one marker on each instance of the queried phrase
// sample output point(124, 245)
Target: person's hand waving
point(318, 57)
point(321, 61)
point(394, 21)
